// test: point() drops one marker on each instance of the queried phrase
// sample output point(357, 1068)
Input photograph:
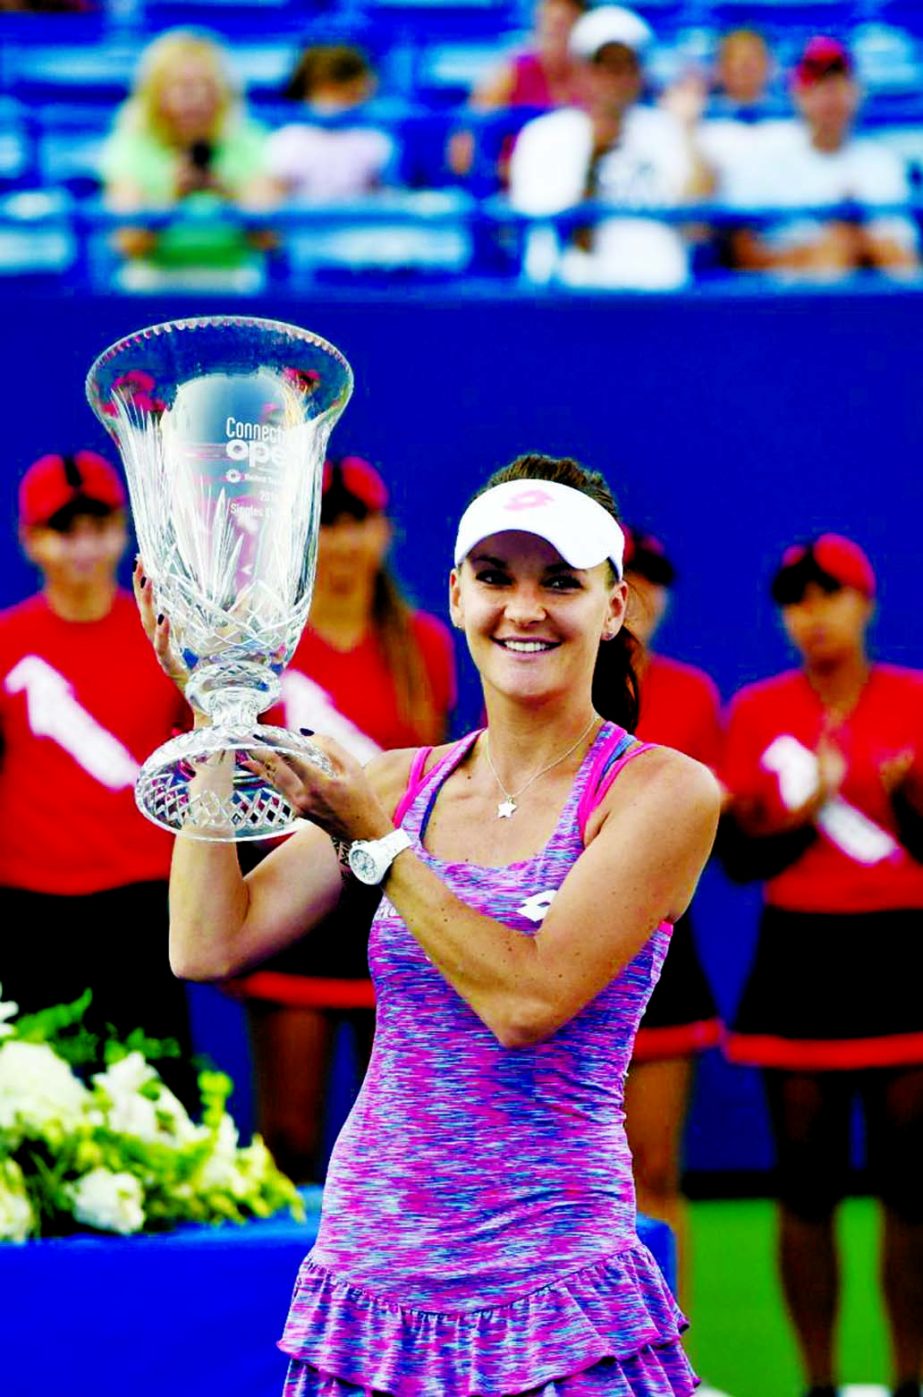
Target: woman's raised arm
point(222, 922)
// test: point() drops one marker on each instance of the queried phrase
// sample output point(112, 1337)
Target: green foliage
point(63, 1029)
point(114, 1149)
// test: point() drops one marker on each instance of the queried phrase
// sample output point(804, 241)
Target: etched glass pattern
point(222, 423)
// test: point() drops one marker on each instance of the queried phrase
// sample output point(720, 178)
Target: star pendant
point(505, 809)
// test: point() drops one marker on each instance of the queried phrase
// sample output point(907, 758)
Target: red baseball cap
point(833, 557)
point(822, 58)
point(357, 477)
point(646, 556)
point(53, 482)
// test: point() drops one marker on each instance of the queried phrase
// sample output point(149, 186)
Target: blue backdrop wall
point(729, 422)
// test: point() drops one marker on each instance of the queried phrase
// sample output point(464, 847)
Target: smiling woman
point(579, 517)
point(512, 960)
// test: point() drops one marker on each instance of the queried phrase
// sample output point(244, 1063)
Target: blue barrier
point(194, 1312)
point(731, 420)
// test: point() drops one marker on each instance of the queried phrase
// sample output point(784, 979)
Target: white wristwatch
point(370, 859)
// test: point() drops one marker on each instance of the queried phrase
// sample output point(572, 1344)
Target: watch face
point(364, 865)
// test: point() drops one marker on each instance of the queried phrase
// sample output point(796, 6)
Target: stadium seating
point(62, 77)
point(37, 236)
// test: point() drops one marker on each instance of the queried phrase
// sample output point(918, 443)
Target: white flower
point(256, 1161)
point(8, 1010)
point(125, 1077)
point(17, 1219)
point(174, 1118)
point(226, 1137)
point(155, 1115)
point(38, 1089)
point(135, 1116)
point(221, 1169)
point(111, 1202)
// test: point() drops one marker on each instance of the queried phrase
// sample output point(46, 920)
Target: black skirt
point(833, 990)
point(681, 1017)
point(113, 942)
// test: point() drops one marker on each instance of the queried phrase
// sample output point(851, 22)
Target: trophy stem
point(234, 695)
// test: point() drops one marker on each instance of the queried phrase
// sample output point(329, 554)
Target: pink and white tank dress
point(478, 1232)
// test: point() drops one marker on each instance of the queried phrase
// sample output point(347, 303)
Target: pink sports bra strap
point(416, 779)
point(414, 782)
point(614, 754)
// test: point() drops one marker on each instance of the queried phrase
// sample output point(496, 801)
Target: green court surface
point(740, 1341)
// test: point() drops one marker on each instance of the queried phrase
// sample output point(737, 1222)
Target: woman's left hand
point(343, 802)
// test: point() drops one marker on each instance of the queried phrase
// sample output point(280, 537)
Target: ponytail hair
point(616, 694)
point(393, 621)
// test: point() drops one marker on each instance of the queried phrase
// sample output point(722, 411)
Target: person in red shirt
point(374, 674)
point(679, 708)
point(824, 769)
point(83, 875)
point(538, 78)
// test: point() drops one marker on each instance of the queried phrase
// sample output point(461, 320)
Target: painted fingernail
point(307, 732)
point(160, 619)
point(143, 580)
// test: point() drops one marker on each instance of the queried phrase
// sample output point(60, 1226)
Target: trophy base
point(198, 784)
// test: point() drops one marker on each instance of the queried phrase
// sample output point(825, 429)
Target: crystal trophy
point(222, 423)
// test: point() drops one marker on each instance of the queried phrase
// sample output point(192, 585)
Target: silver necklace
point(507, 807)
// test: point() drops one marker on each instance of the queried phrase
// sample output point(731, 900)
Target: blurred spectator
point(545, 75)
point(743, 72)
point(818, 160)
point(83, 876)
point(331, 153)
point(184, 138)
point(375, 674)
point(615, 150)
point(679, 708)
point(822, 765)
point(739, 104)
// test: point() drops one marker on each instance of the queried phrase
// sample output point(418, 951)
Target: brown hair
point(323, 65)
point(393, 620)
point(615, 683)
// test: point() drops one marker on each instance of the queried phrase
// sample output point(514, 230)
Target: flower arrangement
point(91, 1136)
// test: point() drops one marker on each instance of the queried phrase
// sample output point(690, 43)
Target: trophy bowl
point(222, 423)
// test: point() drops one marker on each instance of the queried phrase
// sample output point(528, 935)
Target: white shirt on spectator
point(784, 170)
point(649, 166)
point(320, 164)
point(727, 143)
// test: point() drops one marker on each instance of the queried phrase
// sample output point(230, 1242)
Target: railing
point(445, 233)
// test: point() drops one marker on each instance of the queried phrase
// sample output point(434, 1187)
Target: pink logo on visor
point(529, 499)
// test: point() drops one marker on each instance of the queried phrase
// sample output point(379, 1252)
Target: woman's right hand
point(157, 628)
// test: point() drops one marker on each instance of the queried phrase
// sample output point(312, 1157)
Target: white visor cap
point(609, 24)
point(580, 529)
